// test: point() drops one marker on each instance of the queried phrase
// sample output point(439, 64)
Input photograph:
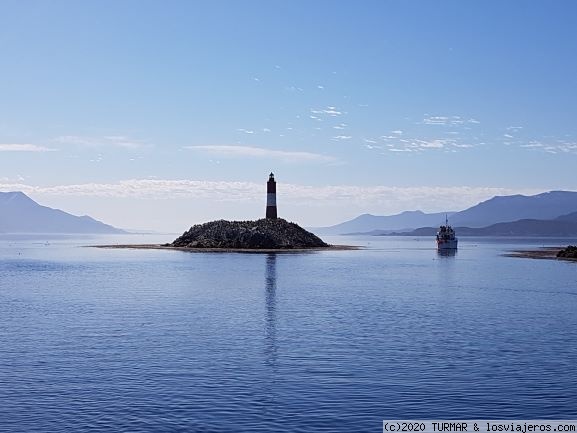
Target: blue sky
point(161, 114)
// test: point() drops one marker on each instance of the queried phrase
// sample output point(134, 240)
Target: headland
point(548, 253)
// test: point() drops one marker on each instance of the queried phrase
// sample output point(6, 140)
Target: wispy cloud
point(448, 120)
point(398, 143)
point(330, 111)
point(534, 145)
point(342, 137)
point(549, 145)
point(246, 131)
point(24, 148)
point(434, 144)
point(148, 189)
point(260, 152)
point(103, 141)
point(560, 146)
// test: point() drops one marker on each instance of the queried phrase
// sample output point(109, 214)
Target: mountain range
point(20, 214)
point(524, 215)
point(563, 226)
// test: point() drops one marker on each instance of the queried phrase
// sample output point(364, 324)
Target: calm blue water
point(163, 341)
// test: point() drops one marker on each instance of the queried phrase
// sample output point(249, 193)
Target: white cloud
point(387, 198)
point(246, 131)
point(397, 132)
point(24, 148)
point(567, 147)
point(404, 143)
point(107, 140)
point(434, 144)
point(396, 149)
point(331, 111)
point(342, 137)
point(447, 120)
point(532, 145)
point(260, 152)
point(553, 147)
point(436, 120)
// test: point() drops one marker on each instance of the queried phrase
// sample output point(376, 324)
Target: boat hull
point(447, 244)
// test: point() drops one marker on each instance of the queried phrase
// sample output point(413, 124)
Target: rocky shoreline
point(547, 253)
point(228, 250)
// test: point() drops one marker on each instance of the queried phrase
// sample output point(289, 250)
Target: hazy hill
point(525, 227)
point(569, 217)
point(20, 214)
point(367, 222)
point(545, 206)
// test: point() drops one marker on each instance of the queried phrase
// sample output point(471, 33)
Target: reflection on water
point(447, 253)
point(156, 340)
point(270, 310)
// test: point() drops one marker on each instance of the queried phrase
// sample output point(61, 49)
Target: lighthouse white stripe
point(271, 199)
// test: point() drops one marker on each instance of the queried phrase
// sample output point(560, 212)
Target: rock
point(568, 253)
point(260, 234)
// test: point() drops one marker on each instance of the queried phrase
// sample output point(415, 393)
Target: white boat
point(446, 239)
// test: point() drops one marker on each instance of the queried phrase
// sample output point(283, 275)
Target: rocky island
point(266, 233)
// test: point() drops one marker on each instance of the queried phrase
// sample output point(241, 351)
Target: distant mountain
point(20, 214)
point(545, 206)
point(569, 217)
point(525, 227)
point(400, 222)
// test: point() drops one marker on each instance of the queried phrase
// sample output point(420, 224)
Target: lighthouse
point(271, 197)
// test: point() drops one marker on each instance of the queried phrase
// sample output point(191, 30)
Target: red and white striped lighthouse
point(271, 197)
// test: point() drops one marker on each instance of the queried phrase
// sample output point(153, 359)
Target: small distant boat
point(446, 239)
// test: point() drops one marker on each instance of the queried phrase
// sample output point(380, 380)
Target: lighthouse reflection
point(270, 310)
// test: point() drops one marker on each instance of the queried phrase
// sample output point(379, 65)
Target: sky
point(157, 115)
